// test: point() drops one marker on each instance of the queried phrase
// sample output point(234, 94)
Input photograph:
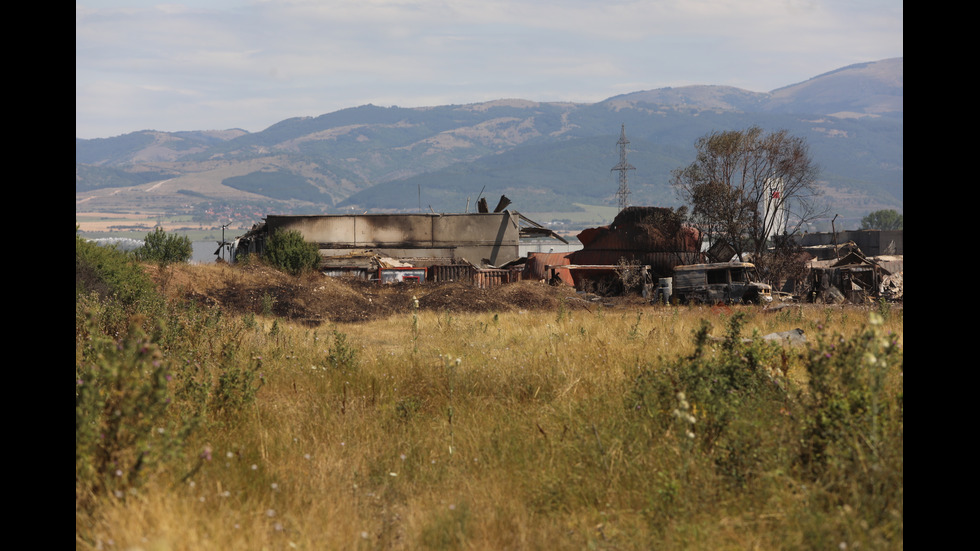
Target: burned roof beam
point(537, 230)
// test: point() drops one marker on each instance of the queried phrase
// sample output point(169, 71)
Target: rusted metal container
point(451, 272)
point(485, 279)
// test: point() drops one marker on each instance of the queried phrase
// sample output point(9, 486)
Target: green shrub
point(112, 275)
point(854, 424)
point(718, 398)
point(744, 432)
point(165, 248)
point(287, 251)
point(123, 427)
point(140, 394)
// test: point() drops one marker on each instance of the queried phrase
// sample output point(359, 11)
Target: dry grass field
point(311, 413)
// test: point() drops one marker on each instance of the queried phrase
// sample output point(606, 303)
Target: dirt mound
point(316, 298)
point(458, 297)
point(532, 295)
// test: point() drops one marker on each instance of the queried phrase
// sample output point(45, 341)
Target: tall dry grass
point(439, 430)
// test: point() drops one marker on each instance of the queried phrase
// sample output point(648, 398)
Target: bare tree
point(784, 263)
point(746, 186)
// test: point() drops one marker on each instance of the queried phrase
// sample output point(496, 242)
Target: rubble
point(853, 278)
point(892, 287)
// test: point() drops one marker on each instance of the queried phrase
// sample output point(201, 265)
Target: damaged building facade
point(398, 247)
point(640, 250)
point(854, 266)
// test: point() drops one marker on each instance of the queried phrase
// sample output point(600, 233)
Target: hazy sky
point(203, 65)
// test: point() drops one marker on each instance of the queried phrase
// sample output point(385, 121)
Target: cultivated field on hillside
point(248, 409)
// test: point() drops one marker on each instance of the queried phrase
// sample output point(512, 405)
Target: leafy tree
point(887, 219)
point(160, 246)
point(288, 251)
point(746, 186)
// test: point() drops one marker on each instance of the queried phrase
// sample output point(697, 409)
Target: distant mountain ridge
point(545, 156)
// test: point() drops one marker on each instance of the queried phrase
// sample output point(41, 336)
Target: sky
point(221, 64)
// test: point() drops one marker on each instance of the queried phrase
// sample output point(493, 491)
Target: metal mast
point(624, 190)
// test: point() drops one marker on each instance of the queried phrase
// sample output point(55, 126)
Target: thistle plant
point(451, 367)
point(124, 427)
point(415, 325)
point(634, 331)
point(342, 356)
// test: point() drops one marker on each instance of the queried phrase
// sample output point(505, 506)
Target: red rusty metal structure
point(451, 272)
point(648, 236)
point(483, 278)
point(536, 267)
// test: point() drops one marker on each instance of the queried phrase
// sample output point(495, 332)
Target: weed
point(446, 321)
point(850, 410)
point(268, 303)
point(634, 332)
point(709, 391)
point(124, 429)
point(342, 356)
point(407, 408)
point(884, 309)
point(562, 310)
point(238, 383)
point(451, 367)
point(448, 528)
point(791, 315)
point(118, 284)
point(853, 437)
point(415, 325)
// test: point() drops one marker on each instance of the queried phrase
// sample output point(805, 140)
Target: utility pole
point(624, 190)
point(223, 242)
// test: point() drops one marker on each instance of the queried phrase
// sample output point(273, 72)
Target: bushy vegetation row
point(668, 427)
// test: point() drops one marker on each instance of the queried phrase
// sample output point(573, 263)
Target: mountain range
point(546, 157)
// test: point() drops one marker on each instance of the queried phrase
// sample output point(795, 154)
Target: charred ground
point(315, 298)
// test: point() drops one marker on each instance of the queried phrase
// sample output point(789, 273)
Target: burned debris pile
point(640, 247)
point(643, 251)
point(855, 278)
point(653, 236)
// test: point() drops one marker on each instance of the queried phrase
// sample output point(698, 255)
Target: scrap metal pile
point(855, 278)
